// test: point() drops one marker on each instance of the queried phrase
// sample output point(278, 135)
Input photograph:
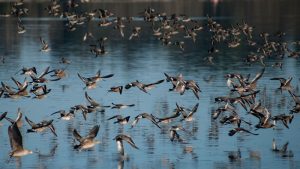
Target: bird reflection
point(50, 154)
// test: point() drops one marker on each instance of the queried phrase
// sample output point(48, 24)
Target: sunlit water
point(144, 59)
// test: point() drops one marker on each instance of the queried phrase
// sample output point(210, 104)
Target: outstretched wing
point(15, 137)
point(93, 132)
point(77, 135)
point(129, 140)
point(32, 124)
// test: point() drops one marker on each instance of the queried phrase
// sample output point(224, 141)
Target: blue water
point(144, 59)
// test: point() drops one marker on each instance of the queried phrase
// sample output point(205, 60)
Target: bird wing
point(32, 124)
point(20, 85)
point(155, 83)
point(116, 116)
point(258, 76)
point(193, 110)
point(129, 140)
point(82, 78)
point(15, 137)
point(46, 71)
point(3, 115)
point(93, 132)
point(51, 127)
point(107, 76)
point(295, 98)
point(151, 118)
point(77, 135)
point(136, 120)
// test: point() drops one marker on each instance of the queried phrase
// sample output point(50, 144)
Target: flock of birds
point(167, 29)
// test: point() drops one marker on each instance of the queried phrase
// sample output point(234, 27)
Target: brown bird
point(117, 89)
point(88, 141)
point(16, 142)
point(39, 127)
point(143, 87)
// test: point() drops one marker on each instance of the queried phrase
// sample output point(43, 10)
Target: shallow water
point(146, 59)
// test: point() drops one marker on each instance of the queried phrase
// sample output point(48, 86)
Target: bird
point(41, 78)
point(16, 142)
point(286, 119)
point(239, 129)
point(188, 116)
point(45, 46)
point(174, 136)
point(65, 115)
point(120, 119)
point(285, 84)
point(119, 140)
point(296, 108)
point(21, 27)
point(146, 116)
point(90, 82)
point(27, 71)
point(143, 87)
point(117, 89)
point(121, 106)
point(88, 141)
point(169, 119)
point(135, 32)
point(39, 127)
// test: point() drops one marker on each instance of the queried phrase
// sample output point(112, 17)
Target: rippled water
point(144, 59)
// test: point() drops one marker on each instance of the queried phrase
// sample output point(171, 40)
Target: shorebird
point(146, 116)
point(285, 84)
point(120, 119)
point(135, 32)
point(121, 106)
point(65, 115)
point(90, 82)
point(88, 141)
point(21, 27)
point(41, 78)
point(169, 119)
point(16, 142)
point(296, 108)
point(286, 119)
point(45, 46)
point(188, 114)
point(174, 135)
point(239, 129)
point(119, 139)
point(42, 94)
point(117, 89)
point(27, 71)
point(143, 87)
point(39, 127)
